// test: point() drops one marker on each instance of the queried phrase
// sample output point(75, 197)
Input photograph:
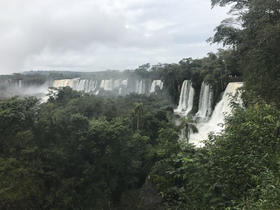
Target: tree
point(238, 169)
point(138, 113)
point(256, 41)
point(187, 125)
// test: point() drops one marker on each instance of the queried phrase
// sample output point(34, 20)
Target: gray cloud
point(101, 34)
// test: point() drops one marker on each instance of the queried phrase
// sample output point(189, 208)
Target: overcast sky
point(94, 35)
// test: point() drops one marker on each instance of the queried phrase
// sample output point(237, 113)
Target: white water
point(87, 86)
point(90, 86)
point(73, 83)
point(11, 87)
point(107, 85)
point(156, 83)
point(186, 99)
point(140, 87)
point(119, 86)
point(222, 109)
point(123, 87)
point(205, 103)
point(20, 83)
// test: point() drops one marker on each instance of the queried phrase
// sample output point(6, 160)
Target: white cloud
point(100, 34)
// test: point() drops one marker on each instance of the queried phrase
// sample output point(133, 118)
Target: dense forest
point(84, 151)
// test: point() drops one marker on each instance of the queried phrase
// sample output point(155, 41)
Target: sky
point(95, 35)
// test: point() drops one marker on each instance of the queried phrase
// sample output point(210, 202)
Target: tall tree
point(255, 36)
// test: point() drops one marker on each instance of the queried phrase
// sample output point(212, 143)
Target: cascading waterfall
point(123, 87)
point(12, 83)
point(90, 86)
point(205, 103)
point(156, 83)
point(117, 83)
point(81, 85)
point(84, 85)
point(186, 99)
point(140, 87)
point(222, 109)
point(87, 86)
point(20, 83)
point(24, 88)
point(107, 85)
point(118, 86)
point(73, 83)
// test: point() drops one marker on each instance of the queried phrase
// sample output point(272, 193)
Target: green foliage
point(256, 42)
point(238, 169)
point(79, 152)
point(20, 186)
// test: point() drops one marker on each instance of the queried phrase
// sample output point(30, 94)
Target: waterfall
point(140, 87)
point(156, 83)
point(64, 83)
point(102, 84)
point(84, 85)
point(117, 86)
point(81, 85)
point(186, 99)
point(123, 87)
point(222, 109)
point(124, 82)
point(90, 86)
point(20, 83)
point(87, 86)
point(107, 85)
point(205, 102)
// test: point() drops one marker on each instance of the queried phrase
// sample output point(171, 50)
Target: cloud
point(101, 34)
